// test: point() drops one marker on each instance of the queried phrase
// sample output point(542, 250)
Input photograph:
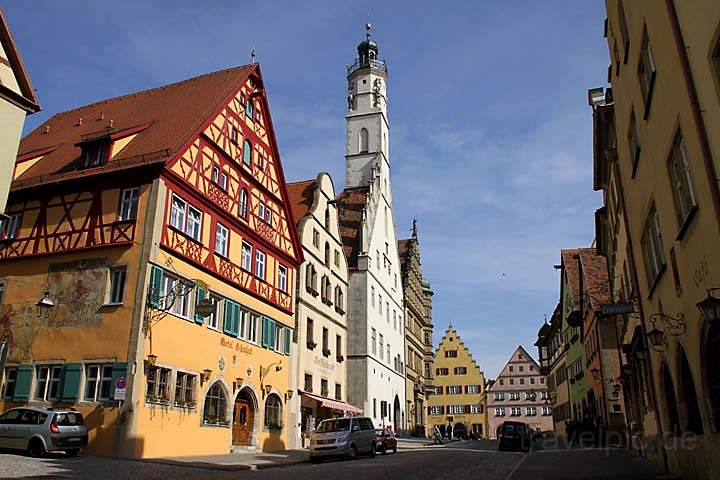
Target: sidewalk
point(248, 460)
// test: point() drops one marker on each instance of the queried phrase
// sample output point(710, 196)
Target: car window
point(355, 423)
point(69, 419)
point(33, 417)
point(335, 425)
point(10, 417)
point(366, 424)
point(508, 428)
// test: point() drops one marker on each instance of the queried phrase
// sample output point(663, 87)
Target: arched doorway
point(712, 366)
point(694, 422)
point(243, 428)
point(396, 414)
point(673, 422)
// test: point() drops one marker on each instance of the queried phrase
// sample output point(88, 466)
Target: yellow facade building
point(158, 225)
point(459, 398)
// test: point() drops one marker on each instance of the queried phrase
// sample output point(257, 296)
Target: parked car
point(39, 430)
point(347, 437)
point(385, 441)
point(514, 436)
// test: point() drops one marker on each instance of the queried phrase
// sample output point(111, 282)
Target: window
point(260, 264)
point(515, 411)
point(532, 411)
point(454, 389)
point(185, 218)
point(646, 72)
point(450, 353)
point(512, 368)
point(323, 387)
point(547, 410)
point(273, 412)
point(382, 347)
point(184, 390)
point(215, 314)
point(436, 410)
point(441, 371)
point(372, 341)
point(374, 407)
point(311, 279)
point(325, 342)
point(514, 395)
point(339, 299)
point(499, 396)
point(176, 291)
point(177, 213)
point(13, 225)
point(247, 152)
point(338, 391)
point(473, 389)
point(308, 383)
point(95, 156)
point(10, 382)
point(157, 385)
point(476, 408)
point(338, 347)
point(246, 257)
point(234, 135)
point(624, 30)
point(221, 240)
point(460, 370)
point(48, 382)
point(652, 248)
point(282, 278)
point(327, 254)
point(98, 382)
point(215, 409)
point(456, 409)
point(128, 204)
point(252, 327)
point(316, 238)
point(711, 355)
point(337, 258)
point(363, 141)
point(243, 204)
point(634, 143)
point(249, 108)
point(310, 333)
point(500, 412)
point(683, 192)
point(388, 353)
point(117, 285)
point(522, 381)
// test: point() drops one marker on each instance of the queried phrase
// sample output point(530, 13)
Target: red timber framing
point(81, 225)
point(190, 175)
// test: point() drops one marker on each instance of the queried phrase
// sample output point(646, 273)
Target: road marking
point(517, 465)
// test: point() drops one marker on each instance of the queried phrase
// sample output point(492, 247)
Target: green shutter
point(72, 372)
point(227, 318)
point(22, 383)
point(234, 309)
point(273, 333)
point(286, 343)
point(119, 370)
point(265, 332)
point(156, 275)
point(199, 296)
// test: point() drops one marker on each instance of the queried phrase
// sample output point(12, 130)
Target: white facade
point(376, 356)
point(317, 363)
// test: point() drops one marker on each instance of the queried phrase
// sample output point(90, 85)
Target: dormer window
point(95, 155)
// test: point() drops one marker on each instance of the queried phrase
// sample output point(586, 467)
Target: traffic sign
point(121, 383)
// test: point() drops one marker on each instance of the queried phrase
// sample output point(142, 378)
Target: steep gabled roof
point(26, 99)
point(595, 277)
point(301, 195)
point(526, 358)
point(352, 202)
point(571, 272)
point(167, 117)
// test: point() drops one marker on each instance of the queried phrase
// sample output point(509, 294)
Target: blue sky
point(490, 129)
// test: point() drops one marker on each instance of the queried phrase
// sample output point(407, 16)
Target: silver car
point(343, 436)
point(40, 430)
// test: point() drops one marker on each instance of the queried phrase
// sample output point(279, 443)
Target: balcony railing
point(371, 63)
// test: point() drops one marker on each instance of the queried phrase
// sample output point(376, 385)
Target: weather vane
point(252, 56)
point(368, 26)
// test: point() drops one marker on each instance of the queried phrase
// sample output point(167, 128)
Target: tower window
point(364, 140)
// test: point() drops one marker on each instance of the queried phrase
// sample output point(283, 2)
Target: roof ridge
point(312, 180)
point(148, 90)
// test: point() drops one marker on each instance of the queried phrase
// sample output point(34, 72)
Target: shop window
point(273, 412)
point(215, 409)
point(184, 390)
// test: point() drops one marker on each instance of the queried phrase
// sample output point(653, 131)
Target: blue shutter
point(156, 275)
point(22, 383)
point(286, 343)
point(71, 374)
point(199, 296)
point(119, 370)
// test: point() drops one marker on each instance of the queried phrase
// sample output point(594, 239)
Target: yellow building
point(459, 395)
point(158, 225)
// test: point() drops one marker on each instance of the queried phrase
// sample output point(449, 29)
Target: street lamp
point(710, 306)
point(656, 338)
point(44, 305)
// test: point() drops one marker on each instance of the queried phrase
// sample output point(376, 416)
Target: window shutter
point(236, 319)
point(466, 388)
point(119, 370)
point(273, 333)
point(288, 332)
point(156, 275)
point(199, 296)
point(22, 383)
point(71, 374)
point(227, 318)
point(266, 332)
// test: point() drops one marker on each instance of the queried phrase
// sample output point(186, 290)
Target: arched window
point(273, 412)
point(364, 140)
point(243, 207)
point(712, 363)
point(215, 411)
point(247, 153)
point(689, 396)
point(670, 402)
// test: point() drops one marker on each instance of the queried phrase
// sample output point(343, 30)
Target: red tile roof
point(402, 249)
point(595, 277)
point(174, 113)
point(28, 100)
point(571, 272)
point(301, 196)
point(352, 202)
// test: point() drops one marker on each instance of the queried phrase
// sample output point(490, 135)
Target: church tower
point(366, 119)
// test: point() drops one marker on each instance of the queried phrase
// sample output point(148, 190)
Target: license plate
point(75, 439)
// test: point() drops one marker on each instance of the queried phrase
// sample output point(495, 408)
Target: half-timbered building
point(157, 224)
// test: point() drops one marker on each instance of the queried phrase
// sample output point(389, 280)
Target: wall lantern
point(206, 374)
point(268, 389)
point(656, 338)
point(710, 306)
point(44, 305)
point(238, 381)
point(288, 395)
point(151, 360)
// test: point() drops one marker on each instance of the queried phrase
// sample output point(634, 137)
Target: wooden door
point(243, 417)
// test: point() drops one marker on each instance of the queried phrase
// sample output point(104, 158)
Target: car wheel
point(372, 450)
point(352, 452)
point(36, 449)
point(73, 452)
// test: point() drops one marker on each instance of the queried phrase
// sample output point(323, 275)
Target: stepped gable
point(352, 203)
point(453, 332)
point(301, 196)
point(167, 118)
point(595, 277)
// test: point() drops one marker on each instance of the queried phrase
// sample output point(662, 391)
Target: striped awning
point(332, 404)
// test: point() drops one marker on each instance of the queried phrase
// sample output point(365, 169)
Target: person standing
point(449, 430)
point(437, 436)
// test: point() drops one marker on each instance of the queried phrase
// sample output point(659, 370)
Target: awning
point(332, 404)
